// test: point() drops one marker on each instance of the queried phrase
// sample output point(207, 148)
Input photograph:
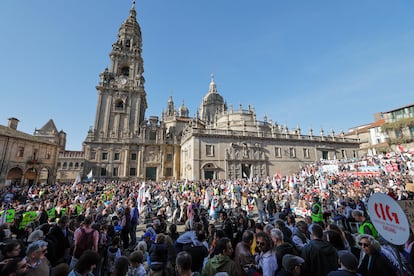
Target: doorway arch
point(15, 176)
point(30, 176)
point(44, 175)
point(209, 171)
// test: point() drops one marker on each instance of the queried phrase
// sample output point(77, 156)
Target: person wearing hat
point(147, 238)
point(36, 259)
point(349, 265)
point(291, 265)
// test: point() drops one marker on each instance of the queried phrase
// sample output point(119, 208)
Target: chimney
point(13, 122)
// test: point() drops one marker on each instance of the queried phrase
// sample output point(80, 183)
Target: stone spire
point(170, 107)
point(183, 110)
point(212, 88)
point(129, 34)
point(132, 12)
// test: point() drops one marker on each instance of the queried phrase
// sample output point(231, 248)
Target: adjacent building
point(399, 125)
point(28, 159)
point(390, 129)
point(70, 165)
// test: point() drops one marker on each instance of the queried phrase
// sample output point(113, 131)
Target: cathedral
point(220, 141)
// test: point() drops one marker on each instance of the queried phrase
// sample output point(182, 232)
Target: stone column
point(125, 164)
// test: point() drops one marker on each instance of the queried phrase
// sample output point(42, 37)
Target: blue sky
point(330, 64)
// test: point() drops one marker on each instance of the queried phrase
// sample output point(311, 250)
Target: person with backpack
point(85, 238)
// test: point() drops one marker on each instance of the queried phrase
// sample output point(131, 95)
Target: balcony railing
point(262, 134)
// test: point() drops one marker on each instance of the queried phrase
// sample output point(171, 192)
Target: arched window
point(76, 165)
point(119, 104)
point(65, 166)
point(125, 71)
point(70, 165)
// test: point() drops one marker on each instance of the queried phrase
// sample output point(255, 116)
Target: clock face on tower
point(122, 80)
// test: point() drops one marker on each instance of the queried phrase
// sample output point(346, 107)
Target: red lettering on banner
point(382, 212)
point(396, 218)
point(385, 214)
point(376, 210)
point(387, 209)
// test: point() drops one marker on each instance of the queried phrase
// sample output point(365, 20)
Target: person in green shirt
point(366, 226)
point(317, 214)
point(221, 262)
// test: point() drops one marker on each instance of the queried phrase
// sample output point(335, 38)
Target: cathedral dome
point(212, 96)
point(212, 104)
point(183, 110)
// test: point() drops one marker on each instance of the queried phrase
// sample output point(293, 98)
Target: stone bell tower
point(121, 104)
point(121, 94)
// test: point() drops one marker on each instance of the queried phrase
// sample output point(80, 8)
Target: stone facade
point(218, 142)
point(70, 164)
point(236, 145)
point(28, 159)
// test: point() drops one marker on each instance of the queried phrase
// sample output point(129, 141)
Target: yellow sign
point(409, 187)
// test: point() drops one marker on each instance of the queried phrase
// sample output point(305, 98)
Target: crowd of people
point(312, 223)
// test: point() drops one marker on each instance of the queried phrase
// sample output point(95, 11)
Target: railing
point(221, 132)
